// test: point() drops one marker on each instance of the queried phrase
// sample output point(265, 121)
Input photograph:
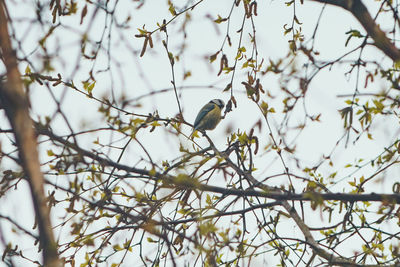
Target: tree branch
point(16, 106)
point(360, 12)
point(190, 183)
point(331, 258)
point(267, 192)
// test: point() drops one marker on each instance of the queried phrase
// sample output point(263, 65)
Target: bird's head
point(218, 102)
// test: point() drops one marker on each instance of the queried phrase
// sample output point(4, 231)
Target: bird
point(209, 116)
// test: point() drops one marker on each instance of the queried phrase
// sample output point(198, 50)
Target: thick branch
point(190, 183)
point(331, 258)
point(360, 12)
point(16, 106)
point(267, 192)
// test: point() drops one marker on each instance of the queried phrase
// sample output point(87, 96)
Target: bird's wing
point(204, 111)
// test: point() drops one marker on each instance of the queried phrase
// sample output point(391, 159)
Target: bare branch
point(268, 192)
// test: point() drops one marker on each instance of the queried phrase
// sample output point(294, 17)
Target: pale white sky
point(134, 76)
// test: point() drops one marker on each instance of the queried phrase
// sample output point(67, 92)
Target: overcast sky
point(134, 76)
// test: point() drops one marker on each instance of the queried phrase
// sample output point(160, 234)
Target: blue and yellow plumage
point(209, 116)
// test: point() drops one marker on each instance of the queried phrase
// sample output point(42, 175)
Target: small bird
point(209, 116)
